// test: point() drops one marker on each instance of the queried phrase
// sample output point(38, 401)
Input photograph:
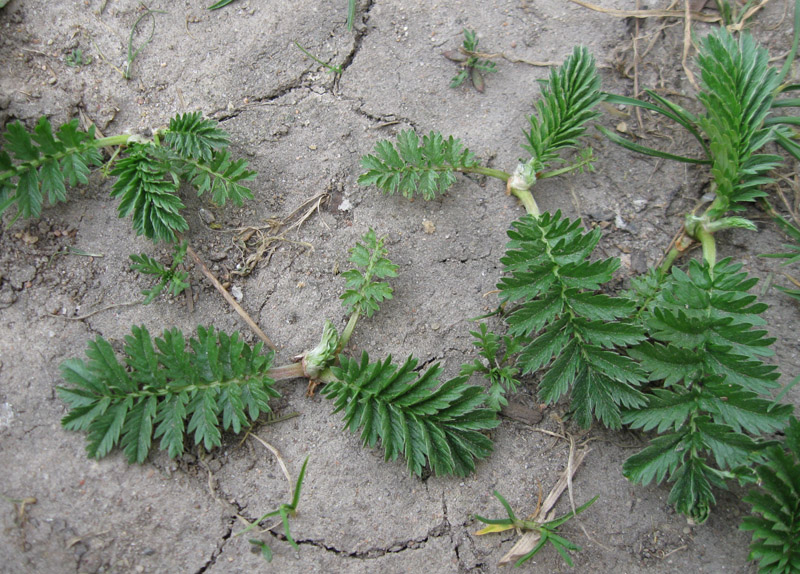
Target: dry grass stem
point(229, 298)
point(530, 538)
point(697, 16)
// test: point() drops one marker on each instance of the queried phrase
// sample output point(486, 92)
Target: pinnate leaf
point(564, 323)
point(165, 392)
point(430, 423)
point(412, 167)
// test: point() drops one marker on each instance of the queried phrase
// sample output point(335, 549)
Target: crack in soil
point(441, 529)
point(301, 83)
point(218, 551)
point(360, 33)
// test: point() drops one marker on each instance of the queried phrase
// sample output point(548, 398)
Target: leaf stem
point(286, 372)
point(709, 245)
point(499, 174)
point(348, 330)
point(526, 198)
point(669, 259)
point(561, 171)
point(111, 141)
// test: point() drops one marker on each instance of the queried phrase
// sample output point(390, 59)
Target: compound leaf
point(168, 387)
point(412, 167)
point(431, 423)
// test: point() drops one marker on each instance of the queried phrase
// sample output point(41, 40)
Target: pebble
point(207, 217)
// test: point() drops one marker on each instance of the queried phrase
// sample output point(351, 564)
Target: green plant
point(77, 59)
point(682, 352)
point(171, 279)
point(161, 387)
point(566, 106)
point(498, 365)
point(413, 414)
point(284, 511)
point(164, 390)
point(562, 318)
point(738, 94)
point(705, 350)
point(563, 321)
point(351, 13)
point(548, 531)
point(192, 149)
point(133, 54)
point(775, 514)
point(711, 400)
point(335, 70)
point(470, 61)
point(363, 294)
point(792, 255)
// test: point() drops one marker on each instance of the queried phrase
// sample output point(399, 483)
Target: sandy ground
point(304, 131)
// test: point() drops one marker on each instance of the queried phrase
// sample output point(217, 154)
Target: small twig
point(231, 301)
point(636, 70)
point(278, 456)
point(698, 16)
point(739, 26)
point(96, 311)
point(22, 502)
point(687, 44)
point(674, 550)
point(106, 60)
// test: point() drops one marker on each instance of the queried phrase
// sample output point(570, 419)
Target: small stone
point(28, 238)
point(207, 217)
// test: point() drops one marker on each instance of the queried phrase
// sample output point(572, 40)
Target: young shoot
point(363, 291)
point(428, 168)
point(547, 531)
point(284, 511)
point(473, 64)
point(335, 70)
point(498, 365)
point(173, 280)
point(738, 93)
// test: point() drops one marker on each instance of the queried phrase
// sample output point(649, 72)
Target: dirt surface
point(304, 132)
